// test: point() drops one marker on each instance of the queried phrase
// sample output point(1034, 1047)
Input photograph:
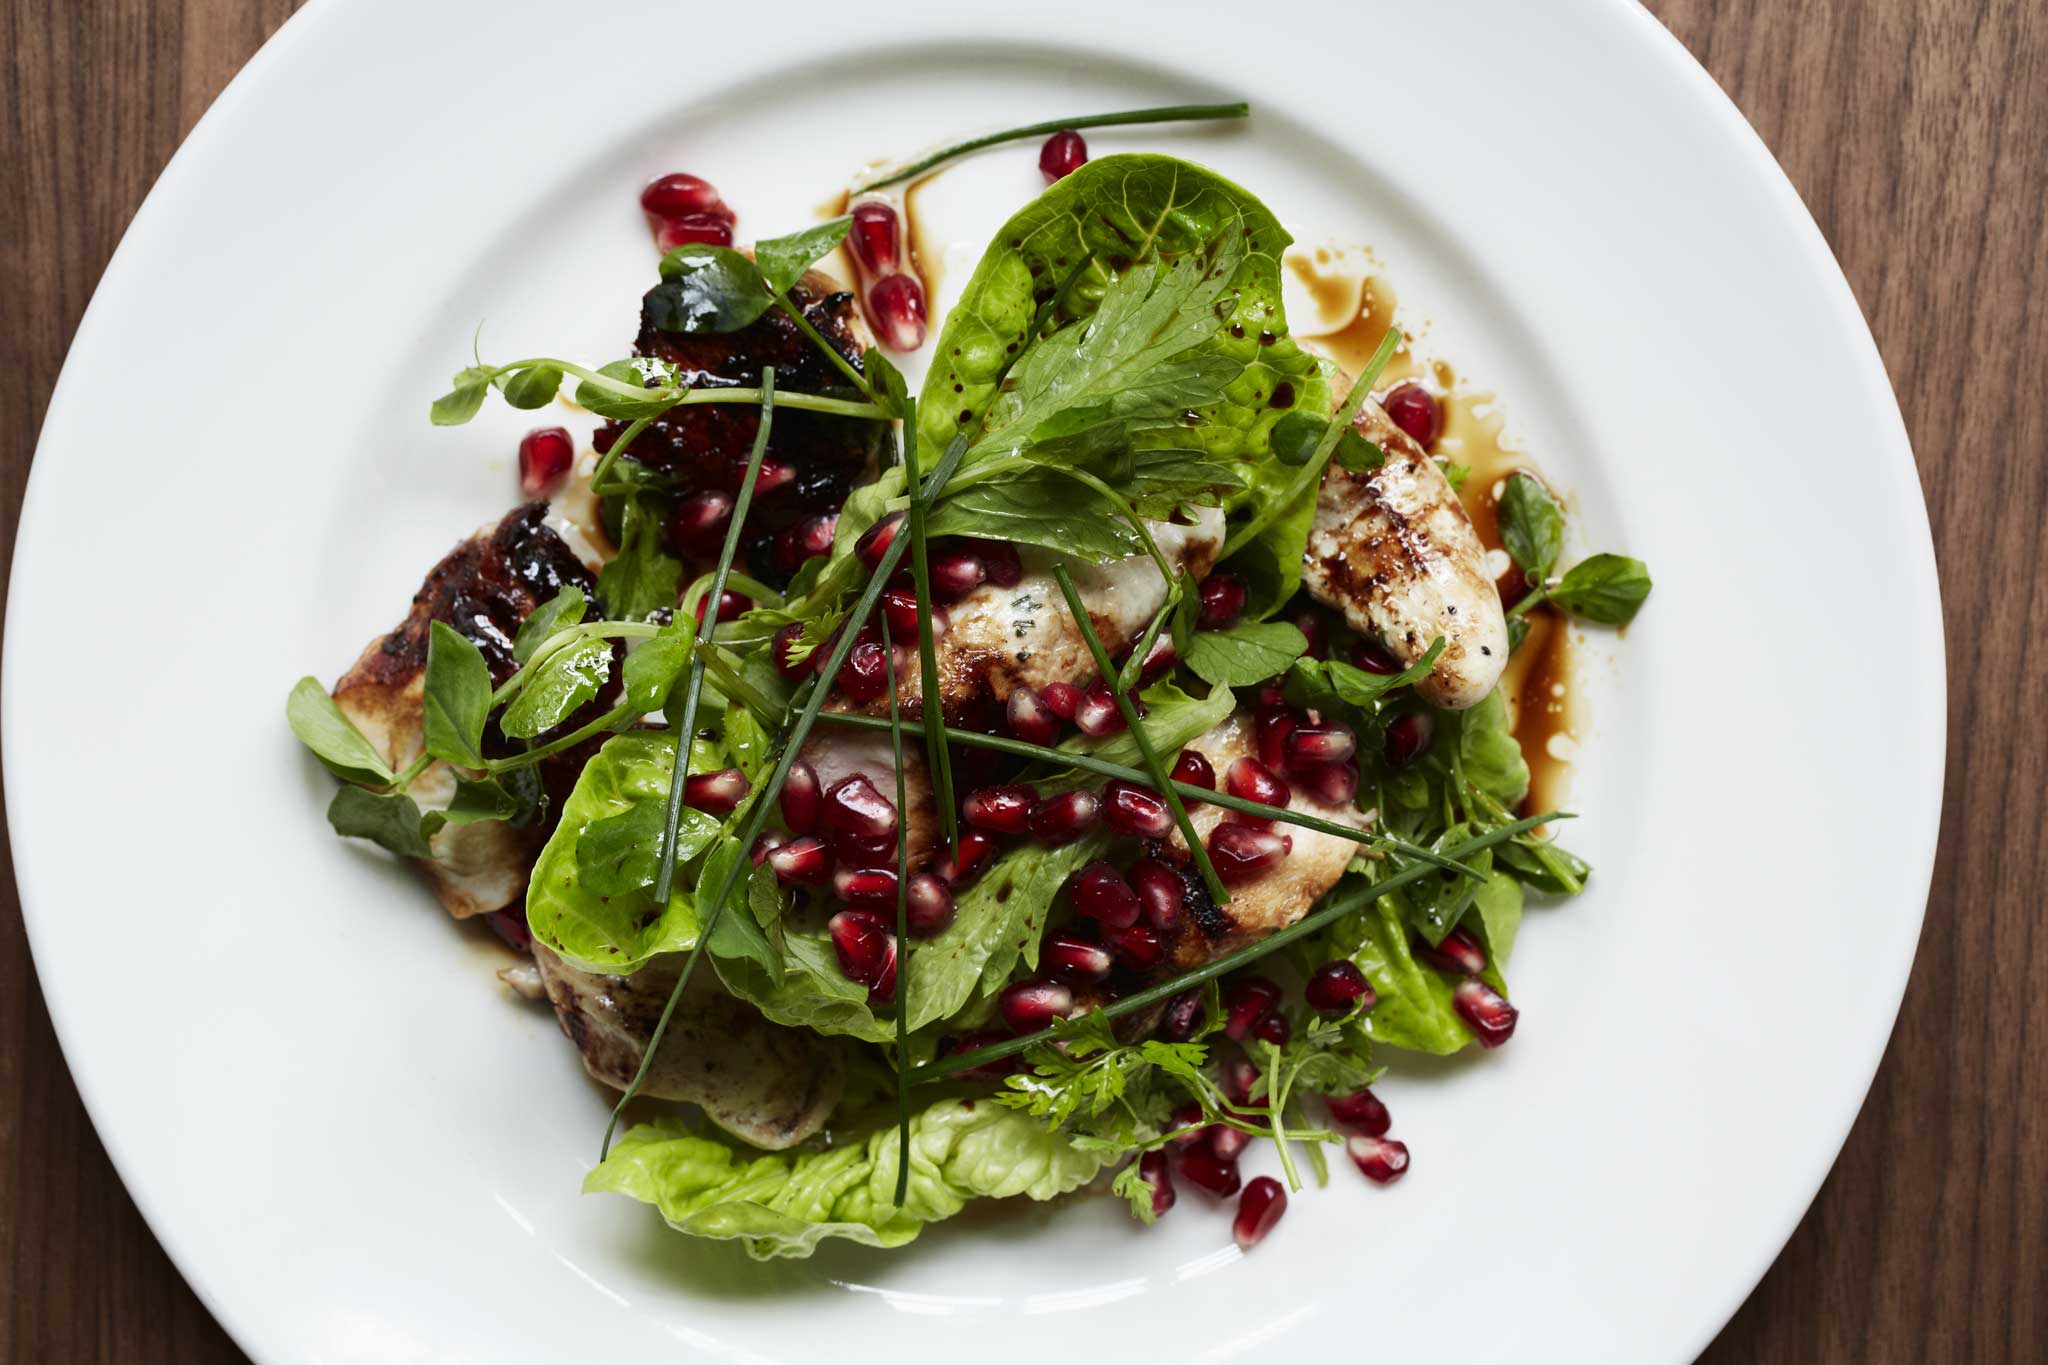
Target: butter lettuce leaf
point(1414, 1009)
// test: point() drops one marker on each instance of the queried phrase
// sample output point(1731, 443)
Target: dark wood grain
point(1918, 134)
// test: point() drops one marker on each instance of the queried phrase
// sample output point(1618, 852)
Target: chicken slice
point(1394, 551)
point(765, 1084)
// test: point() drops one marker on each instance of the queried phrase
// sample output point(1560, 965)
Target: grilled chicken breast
point(1395, 552)
point(765, 1084)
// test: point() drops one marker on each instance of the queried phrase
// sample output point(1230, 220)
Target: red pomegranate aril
point(896, 311)
point(1382, 1159)
point(866, 950)
point(1153, 1171)
point(698, 526)
point(1415, 410)
point(1160, 892)
point(1408, 736)
point(1222, 601)
point(766, 843)
point(1073, 958)
point(813, 536)
point(1061, 699)
point(1258, 1209)
point(874, 236)
point(545, 455)
point(955, 572)
point(804, 861)
point(865, 674)
point(1065, 818)
point(702, 228)
point(1273, 1029)
point(716, 793)
point(1000, 561)
point(1372, 656)
point(779, 653)
point(928, 905)
point(1097, 713)
point(1242, 853)
point(899, 609)
point(875, 541)
point(1000, 810)
point(1361, 1112)
point(1137, 946)
point(853, 806)
point(1194, 769)
point(1063, 153)
point(874, 886)
point(509, 925)
point(730, 605)
point(774, 474)
point(1031, 720)
point(1182, 1017)
point(972, 853)
point(1321, 743)
point(1331, 784)
point(1211, 1172)
point(1159, 660)
point(1131, 809)
point(1100, 893)
point(1236, 1074)
point(973, 1041)
point(1251, 780)
point(1246, 1002)
point(1271, 727)
point(1185, 1125)
point(1225, 1141)
point(679, 194)
point(864, 850)
point(1313, 629)
point(1028, 1006)
point(1336, 986)
point(1460, 953)
point(1485, 1011)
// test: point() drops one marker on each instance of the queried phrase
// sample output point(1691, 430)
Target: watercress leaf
point(620, 407)
point(1531, 525)
point(391, 821)
point(1295, 437)
point(463, 401)
point(560, 683)
point(458, 698)
point(344, 750)
point(1436, 904)
point(642, 577)
point(1488, 752)
point(485, 799)
point(566, 608)
point(1244, 655)
point(1331, 684)
point(533, 387)
point(707, 288)
point(650, 671)
point(1356, 454)
point(783, 260)
point(1038, 507)
point(1606, 588)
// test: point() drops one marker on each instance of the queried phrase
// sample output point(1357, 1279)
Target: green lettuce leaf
point(1414, 1009)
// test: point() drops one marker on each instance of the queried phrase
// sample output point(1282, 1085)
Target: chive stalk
point(1172, 113)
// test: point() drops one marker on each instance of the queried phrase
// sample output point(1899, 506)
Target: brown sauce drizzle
point(925, 257)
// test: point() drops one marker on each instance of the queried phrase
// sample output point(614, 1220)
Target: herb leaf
point(458, 697)
point(391, 821)
point(561, 682)
point(534, 387)
point(610, 403)
point(783, 260)
point(620, 854)
point(1606, 588)
point(463, 401)
point(1531, 525)
point(1331, 684)
point(650, 672)
point(642, 577)
point(566, 608)
point(1041, 507)
point(333, 738)
point(490, 799)
point(707, 288)
point(1244, 655)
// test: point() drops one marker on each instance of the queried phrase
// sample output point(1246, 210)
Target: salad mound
point(1070, 775)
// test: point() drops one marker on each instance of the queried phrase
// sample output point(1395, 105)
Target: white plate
point(358, 1150)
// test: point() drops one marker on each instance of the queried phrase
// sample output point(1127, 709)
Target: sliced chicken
point(765, 1084)
point(1394, 551)
point(484, 588)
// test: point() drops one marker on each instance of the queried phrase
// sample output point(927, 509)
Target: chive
point(1173, 113)
point(1161, 781)
point(902, 927)
point(937, 757)
point(1166, 990)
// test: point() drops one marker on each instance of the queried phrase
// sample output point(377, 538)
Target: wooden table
point(1918, 133)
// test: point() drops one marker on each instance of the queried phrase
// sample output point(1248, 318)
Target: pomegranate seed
point(1252, 780)
point(813, 536)
point(1182, 1017)
point(1361, 1112)
point(1310, 623)
point(930, 905)
point(679, 194)
point(1383, 1160)
point(1222, 601)
point(545, 455)
point(510, 927)
point(1336, 986)
point(1241, 853)
point(704, 228)
point(1413, 409)
point(972, 1041)
point(805, 861)
point(730, 606)
point(1028, 1006)
point(1258, 1208)
point(1131, 809)
point(1137, 946)
point(865, 885)
point(1194, 769)
point(875, 541)
point(715, 793)
point(1408, 736)
point(1000, 561)
point(1246, 1002)
point(874, 236)
point(1211, 1172)
point(867, 951)
point(1152, 1170)
point(1100, 893)
point(1273, 1029)
point(1160, 892)
point(972, 853)
point(1065, 818)
point(1322, 743)
point(1061, 698)
point(698, 525)
point(1487, 1012)
point(899, 608)
point(1373, 657)
point(1000, 810)
point(1073, 958)
point(774, 474)
point(1332, 784)
point(1237, 1076)
point(1063, 153)
point(1031, 720)
point(765, 844)
point(1459, 954)
point(1225, 1141)
point(1159, 659)
point(896, 309)
point(1271, 728)
point(1184, 1125)
point(853, 806)
point(864, 850)
point(779, 653)
point(1097, 713)
point(955, 572)
point(865, 674)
